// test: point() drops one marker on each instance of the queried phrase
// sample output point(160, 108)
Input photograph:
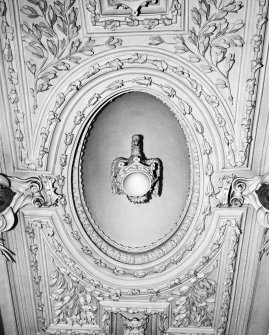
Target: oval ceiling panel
point(122, 221)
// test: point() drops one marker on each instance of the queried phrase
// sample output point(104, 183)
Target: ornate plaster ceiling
point(78, 79)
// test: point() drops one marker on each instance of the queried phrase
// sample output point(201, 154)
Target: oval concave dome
point(109, 137)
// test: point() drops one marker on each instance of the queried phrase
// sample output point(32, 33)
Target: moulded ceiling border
point(193, 193)
point(46, 133)
point(227, 222)
point(207, 152)
point(69, 139)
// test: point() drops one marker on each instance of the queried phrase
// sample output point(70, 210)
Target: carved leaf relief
point(52, 37)
point(211, 40)
point(74, 304)
point(195, 304)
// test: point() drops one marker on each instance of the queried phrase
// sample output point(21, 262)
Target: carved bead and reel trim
point(146, 257)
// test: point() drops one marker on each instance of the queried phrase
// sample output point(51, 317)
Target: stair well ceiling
point(80, 78)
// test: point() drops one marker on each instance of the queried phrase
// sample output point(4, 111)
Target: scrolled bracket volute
point(252, 191)
point(33, 191)
point(239, 191)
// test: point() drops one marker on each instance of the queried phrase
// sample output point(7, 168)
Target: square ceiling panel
point(134, 16)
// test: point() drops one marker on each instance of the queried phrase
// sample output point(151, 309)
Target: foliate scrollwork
point(265, 247)
point(210, 40)
point(195, 305)
point(34, 191)
point(236, 198)
point(31, 231)
point(237, 191)
point(53, 40)
point(136, 324)
point(246, 191)
point(74, 303)
point(229, 279)
point(257, 43)
point(139, 60)
point(13, 85)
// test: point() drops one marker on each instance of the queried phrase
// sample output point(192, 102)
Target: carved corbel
point(252, 191)
point(239, 191)
point(16, 193)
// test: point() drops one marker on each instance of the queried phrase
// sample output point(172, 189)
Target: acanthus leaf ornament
point(35, 191)
point(74, 303)
point(239, 191)
point(55, 41)
point(210, 40)
point(135, 324)
point(257, 43)
point(34, 250)
point(195, 305)
point(136, 176)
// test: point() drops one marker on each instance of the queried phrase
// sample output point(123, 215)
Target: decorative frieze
point(257, 43)
point(228, 283)
point(31, 231)
point(18, 114)
point(74, 304)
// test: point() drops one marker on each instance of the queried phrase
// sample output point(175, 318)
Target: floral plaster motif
point(19, 115)
point(146, 62)
point(211, 41)
point(36, 276)
point(74, 303)
point(52, 37)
